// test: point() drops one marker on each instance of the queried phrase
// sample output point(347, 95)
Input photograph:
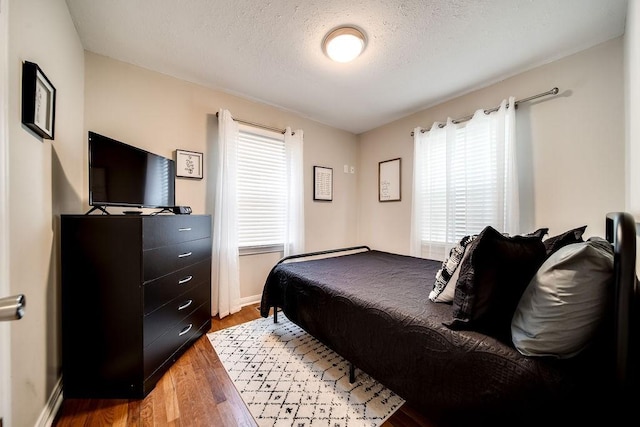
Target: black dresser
point(136, 293)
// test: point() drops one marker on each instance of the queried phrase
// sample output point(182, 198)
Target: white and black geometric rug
point(288, 378)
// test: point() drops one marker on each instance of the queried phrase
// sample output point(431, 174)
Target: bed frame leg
point(352, 373)
point(275, 314)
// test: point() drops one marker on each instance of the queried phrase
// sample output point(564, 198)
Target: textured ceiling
point(419, 52)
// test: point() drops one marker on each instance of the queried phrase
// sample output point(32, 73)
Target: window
point(261, 190)
point(464, 180)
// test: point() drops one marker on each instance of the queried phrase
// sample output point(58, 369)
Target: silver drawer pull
point(185, 305)
point(184, 229)
point(185, 330)
point(185, 255)
point(185, 280)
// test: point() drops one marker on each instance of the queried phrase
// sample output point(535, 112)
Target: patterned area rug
point(288, 378)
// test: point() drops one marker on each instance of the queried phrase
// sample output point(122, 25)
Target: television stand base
point(170, 210)
point(99, 208)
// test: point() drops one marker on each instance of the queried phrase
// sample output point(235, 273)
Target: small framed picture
point(322, 183)
point(188, 164)
point(389, 180)
point(38, 101)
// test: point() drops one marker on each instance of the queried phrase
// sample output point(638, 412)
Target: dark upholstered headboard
point(621, 232)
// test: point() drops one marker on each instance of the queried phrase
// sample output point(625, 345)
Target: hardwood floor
point(195, 391)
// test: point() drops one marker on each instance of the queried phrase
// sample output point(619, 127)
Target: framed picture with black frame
point(188, 164)
point(38, 101)
point(322, 183)
point(389, 185)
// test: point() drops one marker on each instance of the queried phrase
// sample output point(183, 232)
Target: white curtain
point(428, 147)
point(225, 274)
point(294, 223)
point(415, 237)
point(465, 178)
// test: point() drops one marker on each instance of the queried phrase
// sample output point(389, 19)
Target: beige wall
point(570, 148)
point(632, 112)
point(160, 114)
point(632, 106)
point(45, 179)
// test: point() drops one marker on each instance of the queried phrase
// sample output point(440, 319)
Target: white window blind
point(261, 190)
point(459, 187)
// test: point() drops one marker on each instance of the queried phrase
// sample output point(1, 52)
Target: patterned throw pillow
point(449, 266)
point(450, 290)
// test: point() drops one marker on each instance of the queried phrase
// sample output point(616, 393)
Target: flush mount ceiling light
point(344, 44)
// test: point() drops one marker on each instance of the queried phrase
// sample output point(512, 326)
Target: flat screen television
point(127, 176)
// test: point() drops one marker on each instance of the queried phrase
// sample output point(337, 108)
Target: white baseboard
point(253, 299)
point(49, 412)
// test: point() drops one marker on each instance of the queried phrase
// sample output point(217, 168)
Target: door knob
point(12, 308)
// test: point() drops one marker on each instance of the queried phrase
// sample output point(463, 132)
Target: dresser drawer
point(180, 334)
point(158, 322)
point(169, 230)
point(160, 291)
point(167, 259)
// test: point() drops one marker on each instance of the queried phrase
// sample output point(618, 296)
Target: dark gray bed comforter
point(373, 309)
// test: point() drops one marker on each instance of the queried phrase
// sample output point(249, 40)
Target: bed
point(373, 308)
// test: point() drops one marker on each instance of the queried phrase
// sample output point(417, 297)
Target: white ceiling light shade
point(344, 44)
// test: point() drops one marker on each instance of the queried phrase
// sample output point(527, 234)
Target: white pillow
point(565, 302)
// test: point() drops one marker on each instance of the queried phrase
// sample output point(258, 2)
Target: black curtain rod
point(258, 125)
point(553, 91)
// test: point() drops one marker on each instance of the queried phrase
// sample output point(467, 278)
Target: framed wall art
point(38, 101)
point(389, 180)
point(188, 164)
point(322, 183)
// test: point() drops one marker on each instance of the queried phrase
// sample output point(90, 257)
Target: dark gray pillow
point(566, 301)
point(539, 233)
point(447, 276)
point(495, 273)
point(554, 243)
